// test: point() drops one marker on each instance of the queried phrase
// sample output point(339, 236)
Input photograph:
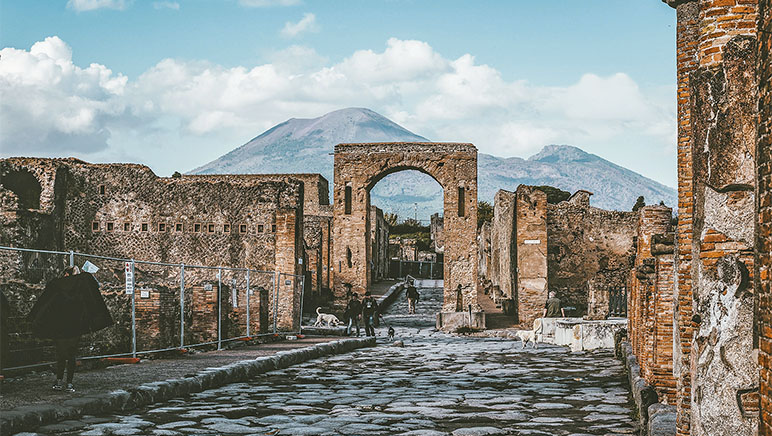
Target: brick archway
point(358, 167)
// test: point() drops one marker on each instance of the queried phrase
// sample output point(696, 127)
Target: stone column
point(503, 237)
point(531, 252)
point(764, 219)
point(687, 34)
point(289, 247)
point(724, 119)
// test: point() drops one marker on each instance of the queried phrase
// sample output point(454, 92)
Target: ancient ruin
point(358, 167)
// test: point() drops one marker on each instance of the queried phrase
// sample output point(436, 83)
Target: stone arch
point(26, 187)
point(359, 167)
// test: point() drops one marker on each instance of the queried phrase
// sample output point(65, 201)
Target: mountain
point(306, 146)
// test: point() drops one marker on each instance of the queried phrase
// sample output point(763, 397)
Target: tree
point(484, 213)
point(554, 195)
point(639, 203)
point(391, 218)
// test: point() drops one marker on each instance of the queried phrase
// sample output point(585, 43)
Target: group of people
point(367, 310)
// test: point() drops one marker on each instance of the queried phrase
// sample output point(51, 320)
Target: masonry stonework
point(358, 167)
point(764, 216)
point(531, 253)
point(504, 239)
point(126, 211)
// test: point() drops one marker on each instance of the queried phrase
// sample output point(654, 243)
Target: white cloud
point(47, 103)
point(90, 5)
point(166, 5)
point(268, 3)
point(306, 24)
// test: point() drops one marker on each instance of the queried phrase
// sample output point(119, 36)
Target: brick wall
point(503, 241)
point(531, 252)
point(764, 219)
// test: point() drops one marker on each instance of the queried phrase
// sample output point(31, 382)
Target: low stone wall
point(28, 418)
point(450, 321)
point(656, 419)
point(580, 334)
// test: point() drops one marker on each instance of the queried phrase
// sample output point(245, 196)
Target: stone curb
point(27, 418)
point(656, 419)
point(390, 295)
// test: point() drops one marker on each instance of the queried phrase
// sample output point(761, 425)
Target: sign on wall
point(129, 278)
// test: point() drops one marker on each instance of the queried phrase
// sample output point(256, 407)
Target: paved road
point(435, 385)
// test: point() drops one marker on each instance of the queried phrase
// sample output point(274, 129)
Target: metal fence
point(156, 306)
point(418, 269)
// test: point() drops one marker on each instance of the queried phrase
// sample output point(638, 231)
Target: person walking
point(553, 308)
point(412, 297)
point(353, 312)
point(369, 312)
point(69, 307)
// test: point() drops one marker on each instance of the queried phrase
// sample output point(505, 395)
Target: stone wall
point(358, 167)
point(379, 240)
point(590, 252)
point(126, 211)
point(436, 230)
point(531, 253)
point(504, 243)
point(484, 251)
point(764, 217)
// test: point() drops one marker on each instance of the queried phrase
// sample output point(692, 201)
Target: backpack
point(369, 303)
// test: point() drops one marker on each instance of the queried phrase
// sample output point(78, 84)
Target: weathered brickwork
point(687, 34)
point(764, 218)
point(531, 245)
point(484, 252)
point(504, 241)
point(379, 240)
point(358, 167)
point(590, 252)
point(126, 211)
point(650, 302)
point(435, 228)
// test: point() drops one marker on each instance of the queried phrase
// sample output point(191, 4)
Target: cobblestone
point(437, 384)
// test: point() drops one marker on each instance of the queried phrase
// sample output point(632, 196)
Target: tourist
point(412, 297)
point(369, 311)
point(68, 308)
point(553, 308)
point(353, 312)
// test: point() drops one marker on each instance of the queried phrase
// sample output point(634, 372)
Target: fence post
point(182, 305)
point(277, 276)
point(248, 292)
point(72, 258)
point(431, 270)
point(219, 309)
point(133, 313)
point(302, 295)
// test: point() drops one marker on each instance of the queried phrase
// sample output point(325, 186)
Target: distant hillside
point(306, 145)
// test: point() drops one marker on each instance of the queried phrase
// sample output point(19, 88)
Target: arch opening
point(26, 187)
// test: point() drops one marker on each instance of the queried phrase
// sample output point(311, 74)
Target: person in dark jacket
point(353, 312)
point(369, 312)
point(68, 308)
point(412, 297)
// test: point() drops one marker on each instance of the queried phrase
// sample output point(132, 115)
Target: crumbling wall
point(379, 240)
point(724, 109)
point(436, 227)
point(590, 252)
point(531, 252)
point(484, 251)
point(764, 217)
point(124, 210)
point(504, 243)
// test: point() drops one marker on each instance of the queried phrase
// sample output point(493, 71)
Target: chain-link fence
point(155, 306)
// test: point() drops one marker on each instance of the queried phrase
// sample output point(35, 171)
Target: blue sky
point(174, 84)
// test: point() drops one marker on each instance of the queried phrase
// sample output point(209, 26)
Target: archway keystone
point(358, 167)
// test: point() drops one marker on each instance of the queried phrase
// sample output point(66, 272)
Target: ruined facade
point(358, 167)
point(435, 229)
point(379, 240)
point(126, 211)
point(581, 252)
point(721, 260)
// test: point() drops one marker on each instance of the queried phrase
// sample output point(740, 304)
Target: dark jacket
point(412, 293)
point(353, 309)
point(369, 306)
point(69, 307)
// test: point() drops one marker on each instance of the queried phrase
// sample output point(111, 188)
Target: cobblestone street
point(436, 384)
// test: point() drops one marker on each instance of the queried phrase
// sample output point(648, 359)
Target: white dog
point(326, 318)
point(529, 335)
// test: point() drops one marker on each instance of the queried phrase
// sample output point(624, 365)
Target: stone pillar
point(503, 239)
point(687, 35)
point(724, 126)
point(531, 252)
point(764, 218)
point(289, 247)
